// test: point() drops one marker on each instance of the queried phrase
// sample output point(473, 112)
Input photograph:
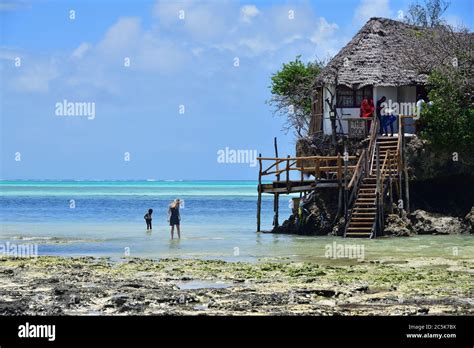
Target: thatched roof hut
point(385, 58)
point(375, 57)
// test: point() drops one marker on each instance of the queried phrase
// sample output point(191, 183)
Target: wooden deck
point(326, 171)
point(296, 186)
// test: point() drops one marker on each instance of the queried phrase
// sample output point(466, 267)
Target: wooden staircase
point(363, 215)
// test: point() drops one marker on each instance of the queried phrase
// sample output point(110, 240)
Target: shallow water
point(218, 222)
point(202, 284)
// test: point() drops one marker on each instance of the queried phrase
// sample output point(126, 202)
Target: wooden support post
point(377, 198)
point(316, 177)
point(259, 200)
point(346, 197)
point(276, 156)
point(400, 185)
point(405, 170)
point(276, 200)
point(302, 176)
point(407, 191)
point(340, 187)
point(317, 171)
point(288, 174)
point(401, 161)
point(339, 168)
point(391, 194)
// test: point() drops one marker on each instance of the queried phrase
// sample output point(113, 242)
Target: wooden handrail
point(357, 170)
point(307, 169)
point(388, 162)
point(373, 138)
point(321, 158)
point(316, 165)
point(399, 143)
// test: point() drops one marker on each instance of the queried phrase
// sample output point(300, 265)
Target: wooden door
point(316, 122)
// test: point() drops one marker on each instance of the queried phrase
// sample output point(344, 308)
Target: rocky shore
point(99, 286)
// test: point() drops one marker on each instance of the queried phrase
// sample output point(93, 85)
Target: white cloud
point(211, 31)
point(146, 49)
point(247, 12)
point(371, 8)
point(34, 76)
point(255, 46)
point(324, 31)
point(122, 38)
point(203, 20)
point(12, 5)
point(81, 50)
point(99, 67)
point(326, 38)
point(8, 53)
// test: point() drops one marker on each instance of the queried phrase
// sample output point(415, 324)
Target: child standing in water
point(148, 219)
point(174, 217)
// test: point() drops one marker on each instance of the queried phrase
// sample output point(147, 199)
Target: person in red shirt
point(367, 110)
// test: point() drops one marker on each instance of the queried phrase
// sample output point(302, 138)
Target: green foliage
point(292, 88)
point(448, 124)
point(293, 80)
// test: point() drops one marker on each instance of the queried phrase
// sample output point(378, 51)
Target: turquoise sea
point(105, 218)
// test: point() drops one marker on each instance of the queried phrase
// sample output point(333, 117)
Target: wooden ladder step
point(394, 141)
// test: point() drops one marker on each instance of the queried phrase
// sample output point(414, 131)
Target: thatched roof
point(375, 57)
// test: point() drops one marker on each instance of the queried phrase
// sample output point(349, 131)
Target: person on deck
point(148, 219)
point(387, 121)
point(420, 103)
point(378, 112)
point(367, 110)
point(174, 217)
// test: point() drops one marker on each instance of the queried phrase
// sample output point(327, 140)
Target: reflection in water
point(174, 244)
point(276, 238)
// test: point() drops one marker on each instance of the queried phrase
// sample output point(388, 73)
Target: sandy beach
point(99, 286)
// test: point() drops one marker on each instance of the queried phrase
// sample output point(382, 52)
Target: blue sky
point(173, 62)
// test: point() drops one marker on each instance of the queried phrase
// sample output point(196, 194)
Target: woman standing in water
point(174, 217)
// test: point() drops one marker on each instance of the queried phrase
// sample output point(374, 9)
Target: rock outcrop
point(398, 226)
point(470, 219)
point(313, 218)
point(427, 223)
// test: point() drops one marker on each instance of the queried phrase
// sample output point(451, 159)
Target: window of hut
point(352, 98)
